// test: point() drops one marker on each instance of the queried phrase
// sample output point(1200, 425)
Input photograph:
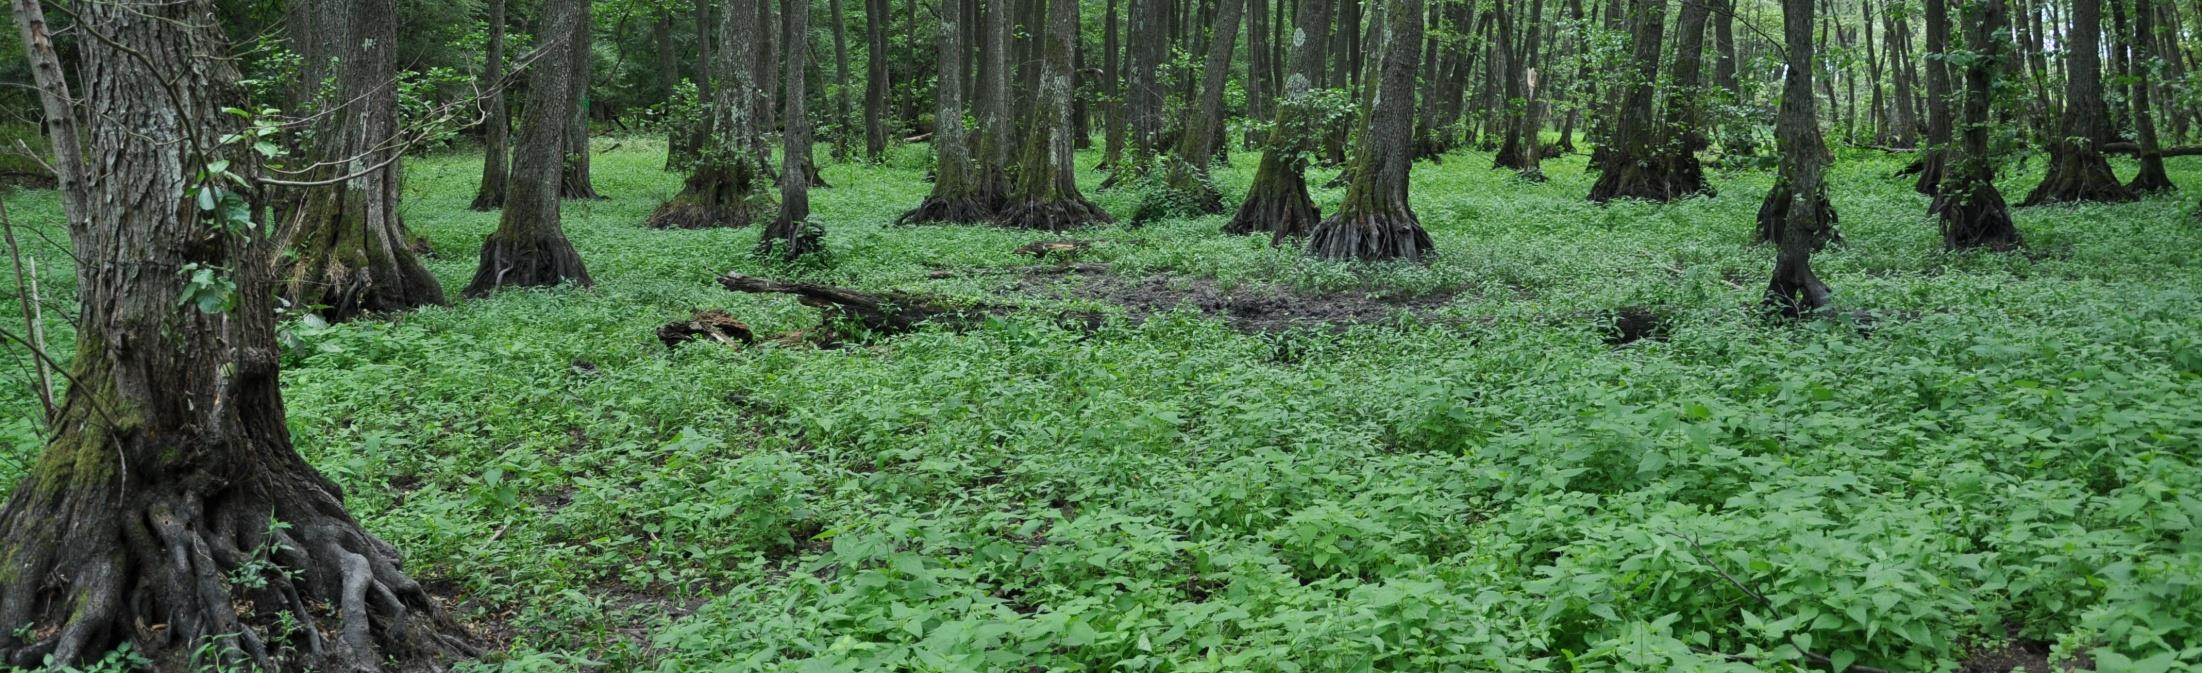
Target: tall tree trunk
point(793, 234)
point(1112, 77)
point(1518, 145)
point(352, 254)
point(1680, 172)
point(1259, 97)
point(2152, 177)
point(1277, 203)
point(1876, 108)
point(688, 141)
point(1145, 90)
point(1905, 81)
point(875, 80)
point(529, 247)
point(842, 123)
point(1795, 291)
point(1934, 158)
point(1630, 170)
point(1047, 196)
point(993, 165)
point(771, 33)
point(1188, 187)
point(2077, 170)
point(955, 196)
point(574, 182)
point(1376, 222)
point(1972, 212)
point(171, 468)
point(496, 117)
point(726, 184)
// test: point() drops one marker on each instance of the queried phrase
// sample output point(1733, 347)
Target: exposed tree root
point(961, 210)
point(1661, 180)
point(2152, 179)
point(712, 197)
point(187, 567)
point(2077, 175)
point(1775, 210)
point(1278, 206)
point(538, 262)
point(1976, 218)
point(789, 239)
point(1057, 215)
point(488, 200)
point(1393, 233)
point(1933, 167)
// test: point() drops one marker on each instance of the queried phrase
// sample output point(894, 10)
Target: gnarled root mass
point(1278, 206)
point(965, 209)
point(1976, 218)
point(1387, 234)
point(535, 262)
point(788, 239)
point(1661, 180)
point(1775, 210)
point(1055, 215)
point(238, 569)
point(2152, 179)
point(2078, 176)
point(712, 197)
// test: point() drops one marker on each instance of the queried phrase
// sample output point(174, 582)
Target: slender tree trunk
point(1631, 169)
point(1259, 97)
point(1518, 147)
point(1684, 123)
point(1878, 113)
point(352, 255)
point(842, 122)
point(1376, 222)
point(574, 181)
point(1795, 290)
point(1145, 95)
point(993, 165)
point(1188, 187)
point(529, 247)
point(726, 184)
point(496, 118)
point(771, 34)
point(1934, 158)
point(793, 234)
point(2077, 170)
point(1972, 211)
point(171, 465)
point(1277, 203)
point(1112, 77)
point(955, 196)
point(875, 80)
point(698, 131)
point(2152, 177)
point(1047, 196)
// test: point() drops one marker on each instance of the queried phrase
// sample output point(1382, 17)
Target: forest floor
point(1263, 463)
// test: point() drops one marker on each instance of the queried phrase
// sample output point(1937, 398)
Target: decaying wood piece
point(873, 314)
point(715, 325)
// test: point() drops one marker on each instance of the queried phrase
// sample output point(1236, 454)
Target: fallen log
point(881, 314)
point(2135, 149)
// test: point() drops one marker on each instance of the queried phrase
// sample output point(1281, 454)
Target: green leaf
point(1841, 660)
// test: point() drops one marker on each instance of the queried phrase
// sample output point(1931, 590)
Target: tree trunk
point(352, 254)
point(1277, 203)
point(1259, 97)
point(2152, 177)
point(1795, 291)
point(1187, 186)
point(1680, 171)
point(1145, 95)
point(1631, 168)
point(1518, 149)
point(1972, 212)
point(171, 474)
point(529, 248)
point(955, 196)
point(992, 167)
point(1112, 77)
point(574, 182)
point(2077, 170)
point(793, 234)
point(1934, 158)
point(496, 118)
point(726, 184)
point(1047, 196)
point(1376, 222)
point(841, 119)
point(875, 80)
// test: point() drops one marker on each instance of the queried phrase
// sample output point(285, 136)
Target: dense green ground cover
point(2010, 453)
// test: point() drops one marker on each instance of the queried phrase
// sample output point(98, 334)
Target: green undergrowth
point(1985, 449)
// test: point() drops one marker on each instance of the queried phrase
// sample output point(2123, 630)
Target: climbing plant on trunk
point(529, 247)
point(1375, 222)
point(170, 511)
point(1972, 212)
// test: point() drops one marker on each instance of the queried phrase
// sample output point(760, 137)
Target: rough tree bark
point(1518, 149)
point(726, 184)
point(1259, 97)
point(875, 80)
point(990, 174)
point(1375, 222)
point(171, 472)
point(574, 181)
point(1188, 182)
point(1144, 95)
point(1277, 203)
point(496, 118)
point(1047, 195)
point(1683, 123)
point(955, 196)
point(1973, 213)
point(2077, 170)
point(792, 234)
point(1631, 168)
point(529, 247)
point(685, 142)
point(1795, 291)
point(351, 254)
point(1112, 77)
point(841, 120)
point(1934, 158)
point(2152, 177)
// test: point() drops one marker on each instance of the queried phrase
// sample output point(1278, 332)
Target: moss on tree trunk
point(1972, 212)
point(726, 186)
point(529, 247)
point(1046, 196)
point(1375, 222)
point(955, 196)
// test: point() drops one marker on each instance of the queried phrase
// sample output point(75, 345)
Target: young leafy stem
point(1697, 554)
